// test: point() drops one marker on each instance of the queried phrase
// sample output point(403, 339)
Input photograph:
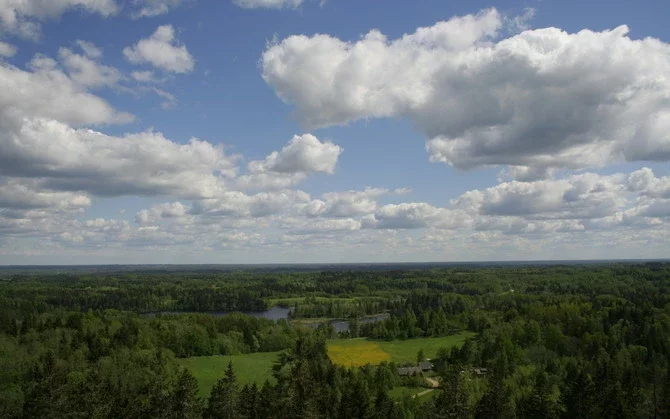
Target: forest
point(549, 341)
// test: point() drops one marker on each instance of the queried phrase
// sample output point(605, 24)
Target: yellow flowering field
point(356, 352)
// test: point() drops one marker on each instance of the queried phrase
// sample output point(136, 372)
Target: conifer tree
point(185, 400)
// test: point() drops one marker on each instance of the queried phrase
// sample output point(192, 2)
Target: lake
point(274, 313)
point(277, 313)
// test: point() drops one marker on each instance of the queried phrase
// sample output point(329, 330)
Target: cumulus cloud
point(581, 196)
point(413, 215)
point(47, 92)
point(539, 99)
point(85, 70)
point(268, 4)
point(162, 51)
point(45, 134)
point(23, 17)
point(302, 156)
point(239, 204)
point(343, 204)
point(7, 50)
point(28, 194)
point(645, 182)
point(322, 225)
point(161, 211)
point(138, 164)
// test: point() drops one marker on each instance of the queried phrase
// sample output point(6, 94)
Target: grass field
point(250, 368)
point(396, 393)
point(257, 367)
point(361, 351)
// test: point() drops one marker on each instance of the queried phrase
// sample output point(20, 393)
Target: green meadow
point(249, 368)
point(257, 367)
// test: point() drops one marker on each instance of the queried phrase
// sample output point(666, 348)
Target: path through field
point(433, 383)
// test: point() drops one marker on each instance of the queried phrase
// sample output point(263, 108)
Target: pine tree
point(495, 403)
point(223, 400)
point(185, 400)
point(248, 401)
point(384, 406)
point(664, 402)
point(266, 400)
point(452, 402)
point(539, 404)
point(581, 399)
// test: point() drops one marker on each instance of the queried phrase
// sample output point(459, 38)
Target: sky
point(326, 131)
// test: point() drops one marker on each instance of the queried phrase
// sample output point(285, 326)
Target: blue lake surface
point(278, 313)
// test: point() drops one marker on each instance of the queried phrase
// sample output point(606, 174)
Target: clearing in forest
point(361, 351)
point(356, 352)
point(249, 368)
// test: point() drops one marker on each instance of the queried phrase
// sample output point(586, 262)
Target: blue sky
point(193, 131)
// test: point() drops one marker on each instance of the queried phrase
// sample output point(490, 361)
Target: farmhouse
point(408, 371)
point(425, 365)
point(419, 369)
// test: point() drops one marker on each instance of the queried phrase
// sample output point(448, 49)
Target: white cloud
point(644, 182)
point(161, 50)
point(302, 156)
point(238, 204)
point(343, 204)
point(139, 164)
point(47, 92)
point(169, 100)
point(86, 71)
point(268, 4)
point(7, 50)
point(22, 194)
point(90, 49)
point(151, 8)
point(540, 99)
point(414, 215)
point(39, 140)
point(577, 197)
point(23, 17)
point(323, 225)
point(144, 76)
point(161, 211)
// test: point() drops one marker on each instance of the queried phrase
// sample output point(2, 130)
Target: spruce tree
point(185, 400)
point(223, 399)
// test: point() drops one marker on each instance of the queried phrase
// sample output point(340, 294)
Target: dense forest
point(569, 341)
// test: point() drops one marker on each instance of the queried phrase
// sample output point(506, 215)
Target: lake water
point(343, 325)
point(274, 313)
point(277, 313)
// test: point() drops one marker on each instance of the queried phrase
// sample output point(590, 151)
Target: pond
point(274, 313)
point(343, 325)
point(277, 313)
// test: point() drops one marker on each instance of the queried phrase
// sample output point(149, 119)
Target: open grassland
point(403, 351)
point(396, 393)
point(361, 351)
point(249, 368)
point(257, 367)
